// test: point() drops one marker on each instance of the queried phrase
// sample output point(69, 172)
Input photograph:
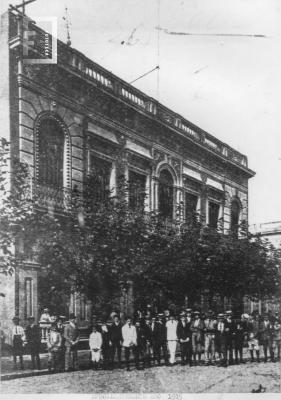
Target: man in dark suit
point(184, 336)
point(106, 343)
point(116, 340)
point(33, 339)
point(230, 332)
point(140, 348)
point(210, 324)
point(161, 339)
point(240, 336)
point(220, 340)
point(148, 341)
point(154, 337)
point(266, 337)
point(71, 337)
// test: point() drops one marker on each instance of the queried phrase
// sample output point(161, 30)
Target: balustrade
point(49, 197)
point(151, 106)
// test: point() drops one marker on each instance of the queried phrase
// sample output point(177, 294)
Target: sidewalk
point(8, 372)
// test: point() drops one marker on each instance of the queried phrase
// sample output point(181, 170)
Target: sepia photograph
point(140, 198)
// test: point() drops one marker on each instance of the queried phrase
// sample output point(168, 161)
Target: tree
point(16, 208)
point(96, 247)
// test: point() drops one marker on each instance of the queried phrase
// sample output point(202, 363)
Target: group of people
point(61, 339)
point(149, 338)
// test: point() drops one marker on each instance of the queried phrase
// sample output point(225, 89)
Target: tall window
point(28, 298)
point(234, 216)
point(166, 194)
point(101, 170)
point(214, 209)
point(191, 201)
point(51, 152)
point(137, 183)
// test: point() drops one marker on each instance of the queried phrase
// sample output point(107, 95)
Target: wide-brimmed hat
point(220, 315)
point(31, 318)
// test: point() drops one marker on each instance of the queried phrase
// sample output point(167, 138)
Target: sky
point(226, 83)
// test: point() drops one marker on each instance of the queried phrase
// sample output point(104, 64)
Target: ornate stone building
point(67, 118)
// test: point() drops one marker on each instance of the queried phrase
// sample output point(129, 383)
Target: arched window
point(234, 216)
point(51, 142)
point(166, 194)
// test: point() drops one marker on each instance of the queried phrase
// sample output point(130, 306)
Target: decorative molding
point(67, 160)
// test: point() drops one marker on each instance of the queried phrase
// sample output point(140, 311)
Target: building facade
point(72, 117)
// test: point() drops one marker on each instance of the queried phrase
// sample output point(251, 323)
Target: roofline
point(151, 107)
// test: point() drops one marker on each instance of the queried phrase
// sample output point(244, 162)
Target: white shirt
point(18, 330)
point(129, 334)
point(54, 340)
point(220, 326)
point(45, 317)
point(95, 340)
point(172, 330)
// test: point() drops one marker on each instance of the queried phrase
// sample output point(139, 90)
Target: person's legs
point(38, 361)
point(223, 352)
point(186, 353)
point(56, 361)
point(21, 362)
point(165, 352)
point(270, 346)
point(32, 355)
point(98, 357)
point(15, 360)
point(75, 358)
point(172, 348)
point(182, 350)
point(207, 348)
point(67, 358)
point(265, 351)
point(119, 355)
point(148, 354)
point(127, 357)
point(193, 344)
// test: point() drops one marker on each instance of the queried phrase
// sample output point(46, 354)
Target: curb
point(28, 374)
point(9, 377)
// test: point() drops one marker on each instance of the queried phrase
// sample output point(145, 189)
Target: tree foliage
point(98, 244)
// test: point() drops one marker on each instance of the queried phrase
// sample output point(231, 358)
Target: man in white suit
point(172, 338)
point(129, 335)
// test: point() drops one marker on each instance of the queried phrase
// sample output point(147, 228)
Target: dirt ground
point(177, 379)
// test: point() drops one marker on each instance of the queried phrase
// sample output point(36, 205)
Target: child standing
point(54, 343)
point(95, 343)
